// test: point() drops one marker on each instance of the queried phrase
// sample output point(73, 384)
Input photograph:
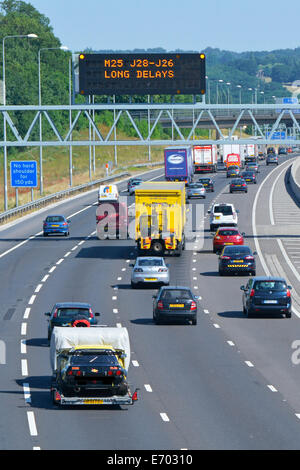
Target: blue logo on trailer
point(23, 174)
point(176, 163)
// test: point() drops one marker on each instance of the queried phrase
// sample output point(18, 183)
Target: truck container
point(205, 158)
point(160, 217)
point(179, 164)
point(230, 148)
point(90, 366)
point(233, 159)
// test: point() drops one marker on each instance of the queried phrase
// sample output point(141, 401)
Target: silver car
point(196, 190)
point(150, 270)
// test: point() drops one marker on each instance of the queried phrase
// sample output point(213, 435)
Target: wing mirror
point(97, 314)
point(48, 314)
point(242, 288)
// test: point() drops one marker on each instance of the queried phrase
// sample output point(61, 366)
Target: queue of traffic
point(91, 366)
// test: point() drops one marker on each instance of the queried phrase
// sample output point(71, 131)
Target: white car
point(223, 215)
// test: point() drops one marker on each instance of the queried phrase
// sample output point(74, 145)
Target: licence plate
point(196, 194)
point(93, 402)
point(270, 301)
point(228, 243)
point(217, 217)
point(238, 185)
point(54, 225)
point(238, 261)
point(150, 279)
point(176, 305)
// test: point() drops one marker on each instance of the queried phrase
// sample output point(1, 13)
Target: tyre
point(211, 227)
point(221, 273)
point(253, 273)
point(133, 285)
point(194, 321)
point(157, 248)
point(244, 311)
point(45, 234)
point(66, 234)
point(288, 315)
point(122, 390)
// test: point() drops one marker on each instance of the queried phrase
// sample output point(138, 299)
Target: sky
point(235, 25)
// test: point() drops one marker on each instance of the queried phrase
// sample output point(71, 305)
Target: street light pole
point(63, 48)
point(31, 35)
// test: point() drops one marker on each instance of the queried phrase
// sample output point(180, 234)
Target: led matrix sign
point(141, 74)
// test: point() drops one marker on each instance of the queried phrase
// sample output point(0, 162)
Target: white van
point(108, 192)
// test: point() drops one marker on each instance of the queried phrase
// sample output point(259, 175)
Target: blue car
point(56, 224)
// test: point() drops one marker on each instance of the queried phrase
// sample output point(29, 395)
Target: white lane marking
point(26, 313)
point(31, 423)
point(193, 269)
point(45, 278)
point(195, 278)
point(67, 254)
point(23, 329)
point(23, 346)
point(114, 297)
point(148, 387)
point(26, 391)
point(32, 299)
point(81, 243)
point(135, 363)
point(195, 287)
point(123, 269)
point(249, 363)
point(231, 343)
point(36, 448)
point(115, 310)
point(60, 261)
point(116, 288)
point(38, 288)
point(164, 417)
point(298, 415)
point(272, 388)
point(119, 325)
point(74, 248)
point(194, 260)
point(52, 269)
point(216, 325)
point(24, 367)
point(119, 279)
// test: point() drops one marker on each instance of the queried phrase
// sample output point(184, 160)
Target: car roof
point(175, 288)
point(268, 278)
point(55, 215)
point(149, 257)
point(228, 228)
point(222, 204)
point(72, 305)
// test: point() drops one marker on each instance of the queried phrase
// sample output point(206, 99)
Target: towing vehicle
point(160, 218)
point(90, 366)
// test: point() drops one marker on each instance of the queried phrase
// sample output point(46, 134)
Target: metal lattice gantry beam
point(275, 115)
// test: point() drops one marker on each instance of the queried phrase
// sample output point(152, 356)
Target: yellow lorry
point(160, 217)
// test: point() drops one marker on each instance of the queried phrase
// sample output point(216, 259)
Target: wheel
point(249, 315)
point(246, 191)
point(66, 234)
point(253, 273)
point(288, 315)
point(194, 321)
point(221, 273)
point(211, 227)
point(45, 234)
point(244, 311)
point(230, 192)
point(157, 248)
point(133, 285)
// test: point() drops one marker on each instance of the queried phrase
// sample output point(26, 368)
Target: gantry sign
point(142, 74)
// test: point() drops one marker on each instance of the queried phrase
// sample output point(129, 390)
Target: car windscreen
point(204, 181)
point(269, 285)
point(233, 250)
point(195, 186)
point(237, 181)
point(150, 262)
point(247, 173)
point(71, 312)
point(55, 218)
point(172, 295)
point(225, 210)
point(227, 233)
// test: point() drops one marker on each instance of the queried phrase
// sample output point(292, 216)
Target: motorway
point(227, 383)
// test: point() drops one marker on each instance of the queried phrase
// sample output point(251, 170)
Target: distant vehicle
point(175, 303)
point(54, 224)
point(233, 159)
point(133, 182)
point(222, 215)
point(267, 295)
point(237, 259)
point(238, 184)
point(179, 164)
point(249, 176)
point(271, 150)
point(261, 156)
point(233, 171)
point(250, 159)
point(227, 236)
point(207, 183)
point(196, 190)
point(108, 192)
point(71, 314)
point(271, 159)
point(205, 158)
point(282, 151)
point(149, 270)
point(290, 150)
point(251, 166)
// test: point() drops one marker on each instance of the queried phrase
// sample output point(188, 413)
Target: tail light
point(162, 270)
point(65, 223)
point(193, 305)
point(118, 372)
point(244, 184)
point(252, 292)
point(110, 372)
point(225, 257)
point(91, 313)
point(70, 372)
point(55, 313)
point(288, 293)
point(217, 237)
point(78, 373)
point(134, 396)
point(160, 305)
point(249, 257)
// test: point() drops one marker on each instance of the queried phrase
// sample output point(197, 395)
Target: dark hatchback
point(265, 295)
point(249, 176)
point(272, 159)
point(238, 184)
point(54, 224)
point(207, 183)
point(71, 314)
point(175, 303)
point(233, 171)
point(237, 260)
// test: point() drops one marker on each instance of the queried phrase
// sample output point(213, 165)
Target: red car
point(227, 236)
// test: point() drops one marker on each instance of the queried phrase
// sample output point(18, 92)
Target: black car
point(250, 159)
point(270, 150)
point(272, 159)
point(237, 259)
point(207, 183)
point(267, 295)
point(175, 303)
point(238, 184)
point(249, 176)
point(282, 151)
point(71, 314)
point(233, 171)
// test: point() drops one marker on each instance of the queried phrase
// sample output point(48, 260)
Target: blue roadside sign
point(278, 135)
point(23, 174)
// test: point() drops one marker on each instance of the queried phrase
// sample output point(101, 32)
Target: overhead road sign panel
point(278, 135)
point(23, 174)
point(142, 74)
